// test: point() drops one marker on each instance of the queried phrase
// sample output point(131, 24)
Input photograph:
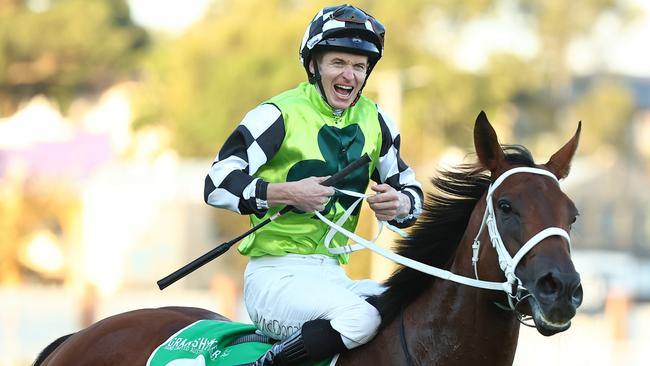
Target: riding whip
point(216, 252)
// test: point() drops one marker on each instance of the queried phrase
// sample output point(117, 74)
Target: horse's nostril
point(548, 285)
point(553, 286)
point(576, 297)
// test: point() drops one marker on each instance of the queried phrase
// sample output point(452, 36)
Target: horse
point(428, 320)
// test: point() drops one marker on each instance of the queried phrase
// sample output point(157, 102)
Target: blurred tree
point(440, 100)
point(529, 97)
point(200, 85)
point(63, 48)
point(608, 106)
point(558, 23)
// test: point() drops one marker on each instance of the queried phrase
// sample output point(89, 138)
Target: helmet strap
point(359, 93)
point(315, 78)
point(362, 86)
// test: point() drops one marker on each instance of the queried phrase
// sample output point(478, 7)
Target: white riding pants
point(282, 293)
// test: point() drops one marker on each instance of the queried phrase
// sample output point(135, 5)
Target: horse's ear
point(560, 163)
point(487, 145)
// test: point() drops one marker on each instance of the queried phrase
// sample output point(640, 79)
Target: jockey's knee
point(357, 324)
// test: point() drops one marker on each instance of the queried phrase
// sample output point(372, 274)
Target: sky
point(171, 16)
point(613, 48)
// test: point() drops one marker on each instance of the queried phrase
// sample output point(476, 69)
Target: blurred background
point(111, 113)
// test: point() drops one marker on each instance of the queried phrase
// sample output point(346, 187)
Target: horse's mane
point(49, 349)
point(435, 236)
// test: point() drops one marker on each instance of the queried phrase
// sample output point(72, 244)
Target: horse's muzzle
point(556, 297)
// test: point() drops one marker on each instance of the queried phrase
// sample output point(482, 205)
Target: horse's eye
point(573, 220)
point(505, 207)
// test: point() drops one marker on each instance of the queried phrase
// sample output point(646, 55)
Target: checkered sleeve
point(392, 170)
point(231, 181)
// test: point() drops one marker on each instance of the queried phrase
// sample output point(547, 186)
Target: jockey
point(295, 289)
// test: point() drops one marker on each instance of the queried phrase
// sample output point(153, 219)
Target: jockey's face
point(342, 76)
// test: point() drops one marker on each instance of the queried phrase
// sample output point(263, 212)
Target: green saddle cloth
point(207, 343)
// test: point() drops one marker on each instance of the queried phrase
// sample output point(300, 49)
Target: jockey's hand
point(388, 203)
point(307, 194)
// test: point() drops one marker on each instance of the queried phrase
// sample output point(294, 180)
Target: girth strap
point(254, 337)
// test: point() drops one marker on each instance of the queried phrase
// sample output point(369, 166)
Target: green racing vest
point(316, 143)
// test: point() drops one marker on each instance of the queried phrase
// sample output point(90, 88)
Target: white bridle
point(512, 286)
point(507, 263)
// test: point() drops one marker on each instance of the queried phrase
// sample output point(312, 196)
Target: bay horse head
point(491, 248)
point(528, 220)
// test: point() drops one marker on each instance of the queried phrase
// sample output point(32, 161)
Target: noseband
point(507, 263)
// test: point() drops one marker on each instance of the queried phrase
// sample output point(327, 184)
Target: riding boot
point(314, 342)
point(291, 351)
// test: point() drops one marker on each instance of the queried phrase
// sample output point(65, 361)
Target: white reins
point(512, 286)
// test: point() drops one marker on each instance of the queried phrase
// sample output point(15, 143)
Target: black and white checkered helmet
point(346, 28)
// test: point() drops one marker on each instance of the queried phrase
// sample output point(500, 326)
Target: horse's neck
point(454, 324)
point(448, 325)
point(462, 322)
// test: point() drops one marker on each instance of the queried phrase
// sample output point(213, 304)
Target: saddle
point(214, 343)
